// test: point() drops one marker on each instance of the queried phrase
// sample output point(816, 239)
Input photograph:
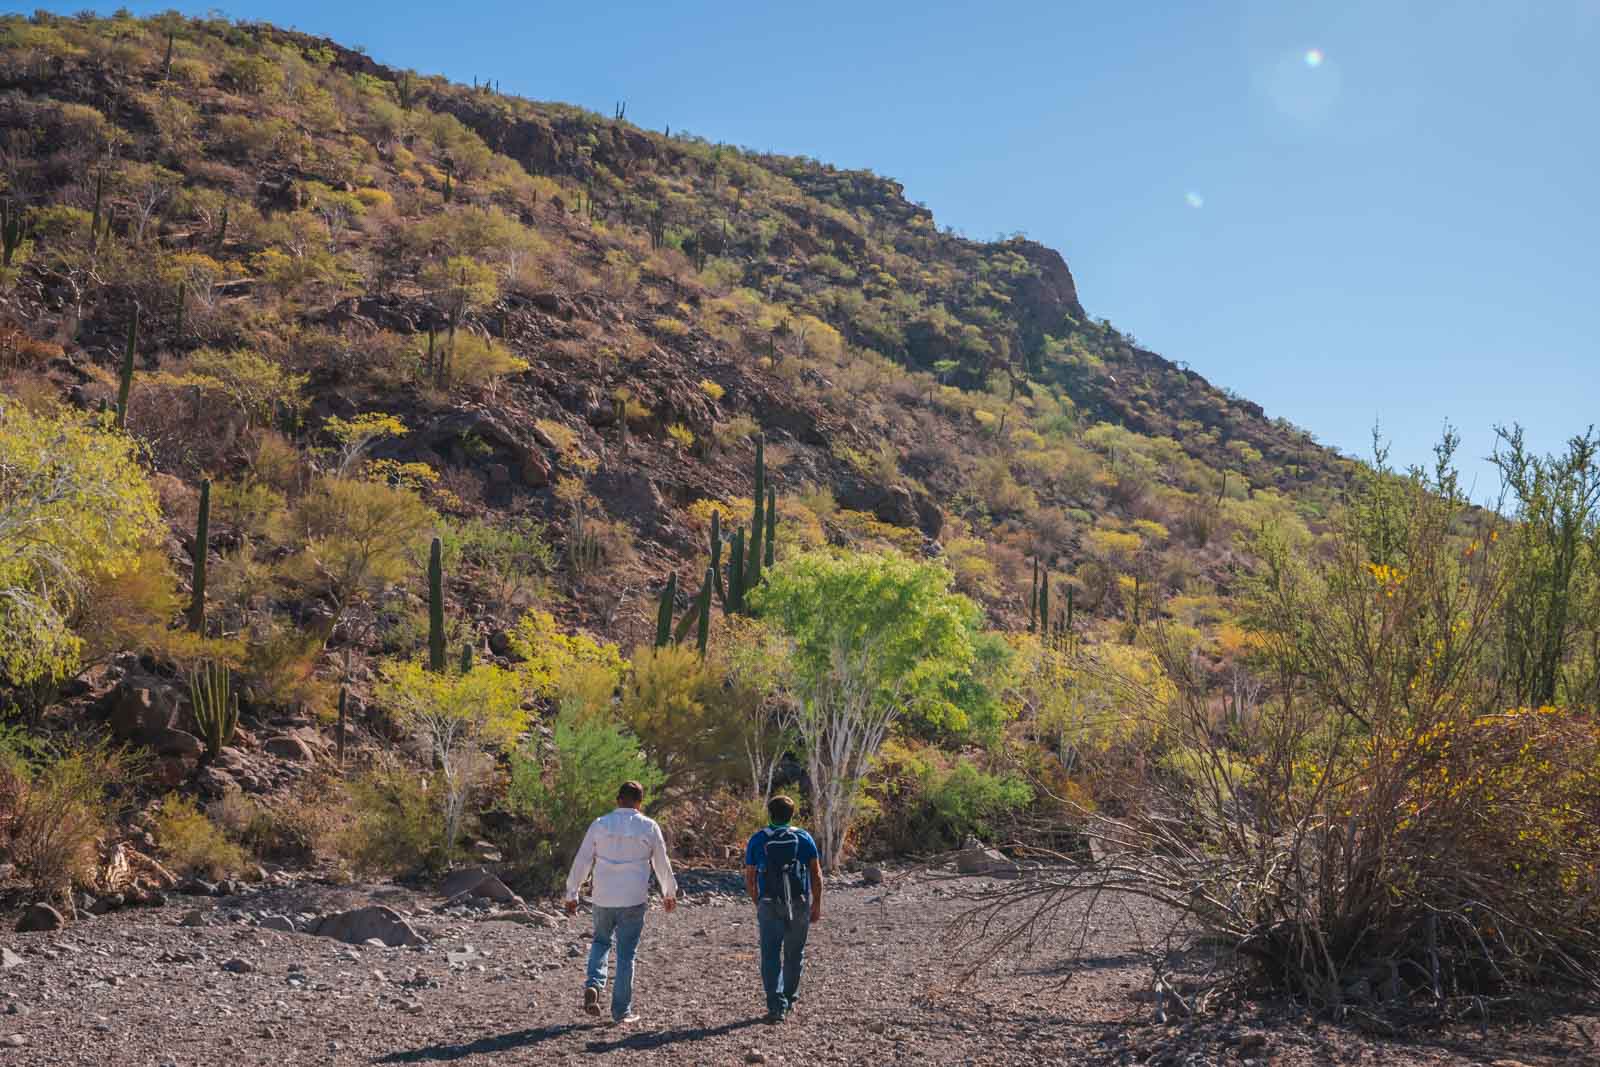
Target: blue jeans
point(783, 951)
point(624, 926)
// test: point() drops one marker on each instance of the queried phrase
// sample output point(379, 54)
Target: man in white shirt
point(620, 848)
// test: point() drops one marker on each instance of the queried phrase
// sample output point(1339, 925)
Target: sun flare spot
point(1194, 199)
point(1314, 58)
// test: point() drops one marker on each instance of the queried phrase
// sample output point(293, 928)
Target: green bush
point(921, 805)
point(591, 756)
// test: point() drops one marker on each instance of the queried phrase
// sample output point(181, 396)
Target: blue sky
point(1347, 212)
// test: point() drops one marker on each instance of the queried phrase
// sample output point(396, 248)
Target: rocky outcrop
point(375, 922)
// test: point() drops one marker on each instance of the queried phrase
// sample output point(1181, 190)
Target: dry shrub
point(193, 843)
point(1383, 837)
point(56, 810)
point(395, 823)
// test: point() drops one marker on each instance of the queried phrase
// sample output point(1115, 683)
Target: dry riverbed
point(213, 983)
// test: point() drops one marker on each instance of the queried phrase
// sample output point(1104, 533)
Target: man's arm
point(816, 891)
point(663, 865)
point(750, 884)
point(580, 870)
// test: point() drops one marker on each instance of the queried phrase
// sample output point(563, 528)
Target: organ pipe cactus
point(216, 707)
point(664, 611)
point(202, 548)
point(436, 607)
point(125, 385)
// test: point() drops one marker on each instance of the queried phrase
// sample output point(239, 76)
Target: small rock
point(872, 876)
point(194, 918)
point(376, 921)
point(877, 1026)
point(239, 967)
point(754, 1056)
point(281, 923)
point(16, 1041)
point(9, 959)
point(40, 918)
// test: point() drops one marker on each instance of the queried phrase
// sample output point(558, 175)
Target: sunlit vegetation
point(998, 572)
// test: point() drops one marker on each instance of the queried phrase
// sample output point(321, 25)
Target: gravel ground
point(139, 989)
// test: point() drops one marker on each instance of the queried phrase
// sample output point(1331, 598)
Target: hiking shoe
point(774, 1018)
point(626, 1020)
point(591, 1000)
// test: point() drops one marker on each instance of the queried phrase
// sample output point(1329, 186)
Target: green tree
point(875, 636)
point(74, 507)
point(461, 716)
point(1557, 504)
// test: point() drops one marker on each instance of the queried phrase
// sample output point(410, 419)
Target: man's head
point(630, 795)
point(780, 809)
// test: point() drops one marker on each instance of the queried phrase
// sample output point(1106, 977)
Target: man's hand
point(816, 911)
point(572, 908)
point(670, 903)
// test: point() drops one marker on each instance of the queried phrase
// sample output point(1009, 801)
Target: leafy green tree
point(74, 507)
point(461, 716)
point(875, 636)
point(359, 538)
point(1557, 504)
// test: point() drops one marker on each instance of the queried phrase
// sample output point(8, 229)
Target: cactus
point(703, 626)
point(1044, 600)
point(753, 577)
point(202, 548)
point(126, 385)
point(344, 699)
point(183, 293)
point(1069, 609)
point(94, 220)
point(436, 607)
point(772, 524)
point(12, 230)
point(1033, 598)
point(216, 707)
point(669, 593)
point(716, 558)
point(466, 657)
point(735, 602)
point(222, 228)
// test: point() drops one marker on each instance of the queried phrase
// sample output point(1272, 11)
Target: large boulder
point(374, 922)
point(979, 860)
point(477, 882)
point(169, 742)
point(142, 705)
point(290, 747)
point(40, 919)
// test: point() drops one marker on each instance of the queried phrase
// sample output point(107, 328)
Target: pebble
point(16, 1040)
point(239, 966)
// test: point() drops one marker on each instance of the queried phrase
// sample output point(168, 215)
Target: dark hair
point(630, 793)
point(780, 809)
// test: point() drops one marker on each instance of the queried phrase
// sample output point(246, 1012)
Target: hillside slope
point(556, 339)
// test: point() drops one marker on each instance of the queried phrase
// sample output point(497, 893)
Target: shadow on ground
point(512, 1042)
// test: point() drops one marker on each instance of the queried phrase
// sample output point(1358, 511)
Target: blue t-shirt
point(755, 855)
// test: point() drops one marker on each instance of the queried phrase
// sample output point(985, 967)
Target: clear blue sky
point(1346, 211)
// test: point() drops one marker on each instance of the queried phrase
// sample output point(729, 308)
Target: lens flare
point(1194, 199)
point(1314, 58)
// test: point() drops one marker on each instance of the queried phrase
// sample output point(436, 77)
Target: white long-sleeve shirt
point(621, 848)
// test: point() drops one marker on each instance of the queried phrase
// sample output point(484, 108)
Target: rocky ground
point(237, 980)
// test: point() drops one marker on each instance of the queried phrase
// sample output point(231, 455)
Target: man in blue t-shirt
point(783, 876)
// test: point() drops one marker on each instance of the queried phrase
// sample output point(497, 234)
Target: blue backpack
point(782, 880)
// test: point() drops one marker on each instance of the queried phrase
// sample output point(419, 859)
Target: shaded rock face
point(1051, 294)
point(445, 434)
point(375, 922)
point(897, 505)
